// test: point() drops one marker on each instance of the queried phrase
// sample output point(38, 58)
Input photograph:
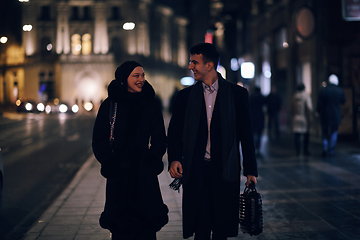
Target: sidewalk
point(75, 213)
point(303, 198)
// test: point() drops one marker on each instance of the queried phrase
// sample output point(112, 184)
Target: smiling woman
point(136, 80)
point(130, 150)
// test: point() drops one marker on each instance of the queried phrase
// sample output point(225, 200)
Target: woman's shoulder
point(105, 104)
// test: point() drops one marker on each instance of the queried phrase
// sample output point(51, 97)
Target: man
point(209, 120)
point(328, 107)
point(273, 103)
point(256, 103)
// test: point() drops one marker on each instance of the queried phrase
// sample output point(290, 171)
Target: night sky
point(10, 19)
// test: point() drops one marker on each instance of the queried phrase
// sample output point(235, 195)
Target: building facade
point(73, 48)
point(304, 41)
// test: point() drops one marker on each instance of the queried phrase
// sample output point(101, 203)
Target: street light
point(27, 28)
point(129, 26)
point(3, 39)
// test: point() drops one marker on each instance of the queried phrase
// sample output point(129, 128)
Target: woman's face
point(136, 80)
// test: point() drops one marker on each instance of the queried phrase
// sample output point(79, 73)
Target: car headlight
point(48, 109)
point(40, 107)
point(28, 106)
point(63, 108)
point(75, 108)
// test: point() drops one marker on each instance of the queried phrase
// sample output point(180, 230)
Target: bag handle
point(251, 187)
point(112, 122)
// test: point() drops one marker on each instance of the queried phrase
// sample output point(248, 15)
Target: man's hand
point(250, 178)
point(176, 169)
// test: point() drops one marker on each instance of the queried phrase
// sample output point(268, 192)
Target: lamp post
point(3, 41)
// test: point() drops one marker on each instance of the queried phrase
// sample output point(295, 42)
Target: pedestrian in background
point(127, 121)
point(209, 121)
point(273, 106)
point(302, 108)
point(328, 107)
point(257, 102)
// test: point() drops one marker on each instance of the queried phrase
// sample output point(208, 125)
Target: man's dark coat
point(329, 101)
point(225, 193)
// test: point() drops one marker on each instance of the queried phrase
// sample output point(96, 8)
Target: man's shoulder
point(185, 91)
point(237, 88)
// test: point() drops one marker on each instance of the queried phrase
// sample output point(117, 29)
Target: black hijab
point(118, 88)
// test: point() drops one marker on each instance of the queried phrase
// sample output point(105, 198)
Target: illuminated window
point(81, 45)
point(86, 44)
point(76, 44)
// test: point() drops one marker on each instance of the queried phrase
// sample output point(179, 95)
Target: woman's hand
point(176, 169)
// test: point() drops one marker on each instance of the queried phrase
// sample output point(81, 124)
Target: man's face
point(197, 66)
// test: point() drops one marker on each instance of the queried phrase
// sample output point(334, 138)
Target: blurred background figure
point(257, 102)
point(273, 104)
point(301, 117)
point(328, 107)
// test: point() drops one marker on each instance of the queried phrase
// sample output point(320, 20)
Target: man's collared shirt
point(210, 93)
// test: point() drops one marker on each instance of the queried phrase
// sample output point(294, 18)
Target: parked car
point(56, 106)
point(27, 106)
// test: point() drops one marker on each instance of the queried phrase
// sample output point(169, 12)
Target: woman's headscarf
point(123, 71)
point(118, 88)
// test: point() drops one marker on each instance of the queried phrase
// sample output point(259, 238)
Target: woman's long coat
point(226, 193)
point(133, 161)
point(302, 108)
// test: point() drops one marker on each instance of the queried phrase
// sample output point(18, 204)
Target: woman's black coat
point(133, 161)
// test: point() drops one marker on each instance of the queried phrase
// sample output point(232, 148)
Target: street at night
point(280, 79)
point(311, 197)
point(41, 153)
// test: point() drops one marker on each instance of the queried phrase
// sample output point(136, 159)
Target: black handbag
point(250, 211)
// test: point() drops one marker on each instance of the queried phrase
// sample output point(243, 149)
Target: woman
point(301, 110)
point(129, 141)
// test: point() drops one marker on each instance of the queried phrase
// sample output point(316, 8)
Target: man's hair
point(209, 52)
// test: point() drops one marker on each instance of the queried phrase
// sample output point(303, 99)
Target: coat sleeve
point(175, 130)
point(245, 133)
point(158, 140)
point(101, 134)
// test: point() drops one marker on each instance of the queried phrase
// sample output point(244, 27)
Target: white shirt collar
point(212, 88)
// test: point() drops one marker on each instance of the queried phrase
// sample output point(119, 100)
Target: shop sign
point(351, 10)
